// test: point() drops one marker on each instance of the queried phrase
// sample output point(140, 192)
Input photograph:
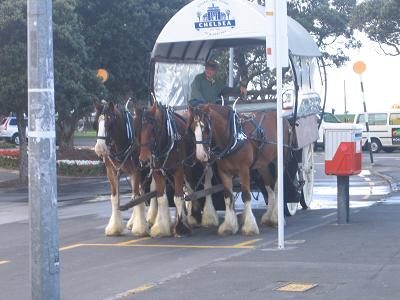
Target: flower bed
point(9, 159)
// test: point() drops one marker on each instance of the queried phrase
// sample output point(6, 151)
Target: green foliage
point(380, 20)
point(8, 162)
point(80, 170)
point(13, 62)
point(329, 22)
point(121, 35)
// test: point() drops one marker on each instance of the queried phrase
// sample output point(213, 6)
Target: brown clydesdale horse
point(238, 149)
point(168, 150)
point(117, 145)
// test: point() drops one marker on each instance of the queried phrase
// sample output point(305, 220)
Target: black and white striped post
point(359, 67)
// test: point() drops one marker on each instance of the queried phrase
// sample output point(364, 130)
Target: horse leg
point(230, 224)
point(249, 226)
point(139, 226)
point(152, 211)
point(162, 224)
point(271, 217)
point(210, 217)
point(191, 207)
point(182, 226)
point(269, 182)
point(115, 225)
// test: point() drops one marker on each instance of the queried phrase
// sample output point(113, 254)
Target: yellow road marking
point(246, 243)
point(3, 262)
point(133, 241)
point(172, 246)
point(137, 290)
point(71, 247)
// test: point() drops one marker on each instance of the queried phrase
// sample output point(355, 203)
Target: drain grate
point(296, 287)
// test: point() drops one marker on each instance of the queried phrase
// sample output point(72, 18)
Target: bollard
point(343, 200)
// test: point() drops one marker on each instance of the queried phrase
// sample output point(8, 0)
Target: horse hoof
point(193, 221)
point(269, 223)
point(113, 231)
point(157, 231)
point(249, 232)
point(129, 225)
point(140, 233)
point(182, 230)
point(224, 231)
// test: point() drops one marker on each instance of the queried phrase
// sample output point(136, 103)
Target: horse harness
point(160, 158)
point(238, 136)
point(128, 152)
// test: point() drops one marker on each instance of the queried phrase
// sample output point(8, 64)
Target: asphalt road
point(97, 267)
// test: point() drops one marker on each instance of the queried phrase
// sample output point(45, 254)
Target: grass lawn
point(88, 133)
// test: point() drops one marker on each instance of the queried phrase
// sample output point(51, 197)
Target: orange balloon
point(102, 74)
point(359, 67)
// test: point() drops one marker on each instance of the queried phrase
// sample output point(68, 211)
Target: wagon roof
point(206, 24)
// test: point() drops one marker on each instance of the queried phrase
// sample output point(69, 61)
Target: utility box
point(343, 149)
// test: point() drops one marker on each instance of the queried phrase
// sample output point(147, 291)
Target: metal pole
point(343, 200)
point(43, 225)
point(231, 58)
point(345, 100)
point(366, 121)
point(279, 124)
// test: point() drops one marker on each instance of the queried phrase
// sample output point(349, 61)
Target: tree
point(121, 35)
point(76, 86)
point(380, 20)
point(13, 62)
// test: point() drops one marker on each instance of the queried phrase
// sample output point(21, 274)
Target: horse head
point(151, 127)
point(108, 128)
point(200, 124)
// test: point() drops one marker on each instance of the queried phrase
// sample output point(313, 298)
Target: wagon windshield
point(172, 82)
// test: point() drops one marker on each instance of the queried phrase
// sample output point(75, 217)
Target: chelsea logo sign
point(214, 19)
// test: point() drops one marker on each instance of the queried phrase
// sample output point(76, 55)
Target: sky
point(381, 81)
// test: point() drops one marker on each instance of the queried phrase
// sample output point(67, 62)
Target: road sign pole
point(43, 225)
point(277, 56)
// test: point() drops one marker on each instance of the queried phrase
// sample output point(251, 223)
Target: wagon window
point(394, 119)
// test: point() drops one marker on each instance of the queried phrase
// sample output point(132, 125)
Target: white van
point(384, 128)
point(327, 120)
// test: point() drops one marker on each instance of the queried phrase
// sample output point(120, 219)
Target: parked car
point(326, 120)
point(9, 130)
point(384, 130)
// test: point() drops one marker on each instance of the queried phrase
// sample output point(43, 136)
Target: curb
point(394, 186)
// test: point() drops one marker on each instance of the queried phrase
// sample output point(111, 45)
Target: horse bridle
point(108, 117)
point(198, 117)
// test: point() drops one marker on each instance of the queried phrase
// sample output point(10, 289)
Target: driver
point(206, 89)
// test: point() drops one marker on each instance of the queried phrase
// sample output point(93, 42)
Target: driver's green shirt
point(210, 91)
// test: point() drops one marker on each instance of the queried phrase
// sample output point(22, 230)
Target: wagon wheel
point(290, 208)
point(307, 174)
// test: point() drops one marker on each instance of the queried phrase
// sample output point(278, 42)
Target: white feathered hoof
point(115, 225)
point(158, 230)
point(210, 216)
point(152, 212)
point(140, 230)
point(268, 221)
point(229, 226)
point(250, 226)
point(130, 223)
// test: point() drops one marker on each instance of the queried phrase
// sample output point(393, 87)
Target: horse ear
point(153, 109)
point(97, 105)
point(206, 107)
point(111, 106)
